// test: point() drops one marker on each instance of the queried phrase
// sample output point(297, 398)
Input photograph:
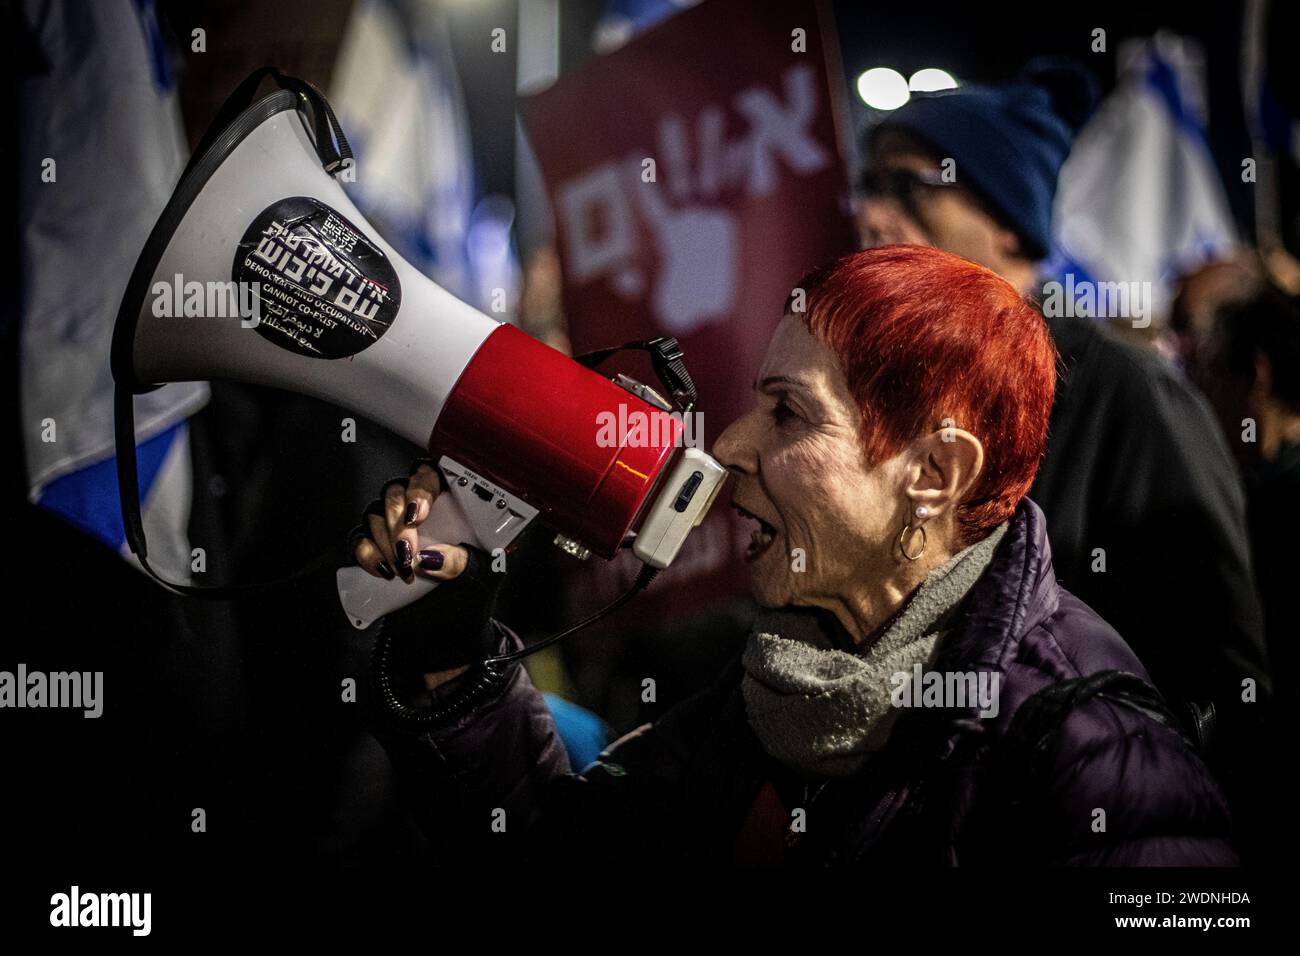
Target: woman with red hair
point(919, 689)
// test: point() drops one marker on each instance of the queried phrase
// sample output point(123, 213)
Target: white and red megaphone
point(280, 281)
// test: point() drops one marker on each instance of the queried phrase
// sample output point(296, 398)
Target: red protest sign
point(696, 175)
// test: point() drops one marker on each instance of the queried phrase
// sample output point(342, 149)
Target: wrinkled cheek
point(799, 491)
point(838, 534)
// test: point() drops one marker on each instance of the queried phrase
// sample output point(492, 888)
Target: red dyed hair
point(923, 336)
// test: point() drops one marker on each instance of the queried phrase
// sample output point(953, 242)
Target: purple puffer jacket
point(1116, 788)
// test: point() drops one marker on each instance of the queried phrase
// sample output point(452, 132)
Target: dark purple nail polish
point(411, 509)
point(386, 571)
point(431, 560)
point(404, 557)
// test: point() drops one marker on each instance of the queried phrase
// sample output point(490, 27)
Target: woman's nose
point(878, 221)
point(734, 448)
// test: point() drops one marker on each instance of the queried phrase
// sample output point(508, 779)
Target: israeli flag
point(1140, 203)
point(623, 19)
point(101, 148)
point(398, 98)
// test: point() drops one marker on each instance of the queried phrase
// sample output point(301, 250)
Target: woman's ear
point(1010, 244)
point(945, 466)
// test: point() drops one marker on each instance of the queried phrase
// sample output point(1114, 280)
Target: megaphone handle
point(365, 599)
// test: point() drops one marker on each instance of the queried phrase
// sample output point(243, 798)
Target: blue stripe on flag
point(1062, 264)
point(88, 498)
point(163, 77)
point(1161, 78)
point(642, 14)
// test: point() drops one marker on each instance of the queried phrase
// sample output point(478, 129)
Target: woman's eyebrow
point(782, 380)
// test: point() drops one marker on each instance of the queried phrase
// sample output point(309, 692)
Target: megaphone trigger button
point(688, 491)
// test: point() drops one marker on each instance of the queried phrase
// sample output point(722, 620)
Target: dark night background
point(250, 727)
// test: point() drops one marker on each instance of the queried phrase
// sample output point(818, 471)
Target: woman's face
point(824, 521)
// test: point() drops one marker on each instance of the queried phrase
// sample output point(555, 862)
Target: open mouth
point(762, 537)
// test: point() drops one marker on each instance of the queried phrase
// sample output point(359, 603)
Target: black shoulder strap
point(1031, 737)
point(669, 365)
point(1019, 765)
point(331, 145)
point(1021, 760)
point(128, 489)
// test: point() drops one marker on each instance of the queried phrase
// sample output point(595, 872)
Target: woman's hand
point(388, 545)
point(441, 638)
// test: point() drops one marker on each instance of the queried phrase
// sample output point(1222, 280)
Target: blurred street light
point(883, 89)
point(930, 80)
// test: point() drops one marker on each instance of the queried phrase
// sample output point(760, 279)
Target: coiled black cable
point(484, 678)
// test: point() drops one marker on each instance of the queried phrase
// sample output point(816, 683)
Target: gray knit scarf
point(822, 711)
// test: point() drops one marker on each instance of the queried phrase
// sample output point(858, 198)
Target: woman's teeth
point(761, 538)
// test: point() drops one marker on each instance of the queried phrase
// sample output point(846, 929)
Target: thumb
point(441, 562)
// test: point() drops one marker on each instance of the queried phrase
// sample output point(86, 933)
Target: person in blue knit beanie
point(974, 170)
point(1145, 505)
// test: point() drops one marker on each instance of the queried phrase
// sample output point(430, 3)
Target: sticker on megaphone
point(324, 288)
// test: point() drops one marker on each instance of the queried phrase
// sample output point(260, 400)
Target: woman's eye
point(783, 412)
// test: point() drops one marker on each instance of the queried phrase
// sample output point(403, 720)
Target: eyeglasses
point(900, 184)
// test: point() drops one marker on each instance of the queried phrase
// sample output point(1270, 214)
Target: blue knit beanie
point(1009, 141)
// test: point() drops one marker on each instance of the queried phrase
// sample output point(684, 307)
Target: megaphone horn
point(311, 299)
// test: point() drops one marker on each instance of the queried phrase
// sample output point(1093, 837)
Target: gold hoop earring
point(902, 535)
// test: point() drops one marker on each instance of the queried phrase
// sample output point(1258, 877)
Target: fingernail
point(404, 557)
point(431, 560)
point(411, 509)
point(386, 571)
